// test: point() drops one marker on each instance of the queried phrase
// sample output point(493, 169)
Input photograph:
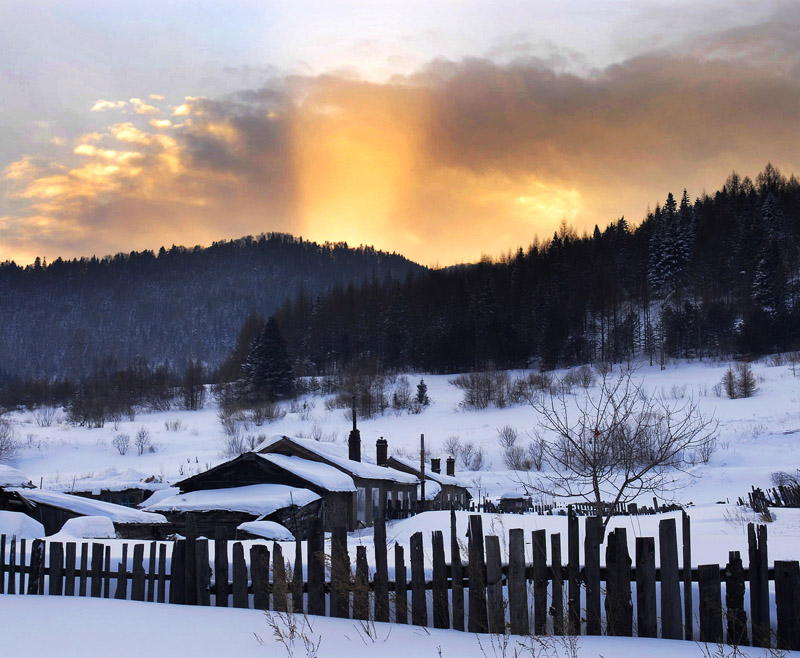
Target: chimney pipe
point(382, 451)
point(451, 466)
point(436, 465)
point(354, 440)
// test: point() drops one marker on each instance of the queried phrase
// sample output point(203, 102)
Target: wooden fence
point(637, 595)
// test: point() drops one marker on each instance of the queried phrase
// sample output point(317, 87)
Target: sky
point(440, 129)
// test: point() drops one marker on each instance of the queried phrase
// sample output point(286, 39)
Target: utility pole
point(422, 469)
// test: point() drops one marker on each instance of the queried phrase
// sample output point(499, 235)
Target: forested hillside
point(713, 277)
point(67, 318)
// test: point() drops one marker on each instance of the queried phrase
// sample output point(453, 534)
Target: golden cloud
point(456, 161)
point(102, 106)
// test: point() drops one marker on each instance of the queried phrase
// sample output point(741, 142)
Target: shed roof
point(337, 455)
point(256, 499)
point(88, 506)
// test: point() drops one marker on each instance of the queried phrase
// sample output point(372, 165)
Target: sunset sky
point(440, 129)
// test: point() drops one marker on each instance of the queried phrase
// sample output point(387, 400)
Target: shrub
point(8, 441)
point(121, 442)
point(142, 441)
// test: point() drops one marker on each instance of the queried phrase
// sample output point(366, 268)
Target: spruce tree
point(267, 367)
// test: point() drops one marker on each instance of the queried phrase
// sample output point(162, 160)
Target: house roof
point(323, 475)
point(113, 480)
point(266, 530)
point(87, 506)
point(441, 478)
point(336, 455)
point(256, 499)
point(13, 477)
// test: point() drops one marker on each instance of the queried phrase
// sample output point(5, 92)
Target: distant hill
point(65, 318)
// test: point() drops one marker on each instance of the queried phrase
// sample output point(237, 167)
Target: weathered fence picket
point(671, 621)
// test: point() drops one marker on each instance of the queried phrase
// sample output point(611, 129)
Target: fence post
point(203, 573)
point(190, 561)
point(476, 572)
point(381, 579)
point(84, 569)
point(441, 609)
point(361, 585)
point(734, 600)
point(240, 598)
point(56, 566)
point(787, 590)
point(22, 553)
point(221, 588)
point(419, 605)
point(37, 566)
point(494, 585)
point(316, 568)
point(456, 575)
point(69, 569)
point(2, 564)
point(96, 588)
point(619, 609)
point(161, 594)
point(686, 538)
point(557, 607)
point(759, 585)
point(177, 575)
point(670, 587)
point(151, 573)
point(340, 574)
point(710, 598)
point(591, 547)
point(646, 620)
point(517, 584)
point(573, 572)
point(280, 589)
point(12, 567)
point(400, 590)
point(106, 572)
point(297, 578)
point(259, 575)
point(540, 582)
point(137, 580)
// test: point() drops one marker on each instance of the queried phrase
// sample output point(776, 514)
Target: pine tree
point(422, 394)
point(267, 367)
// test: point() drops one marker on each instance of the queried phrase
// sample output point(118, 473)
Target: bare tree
point(616, 443)
point(8, 441)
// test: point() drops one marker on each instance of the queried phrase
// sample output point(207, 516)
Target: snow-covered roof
point(256, 499)
point(88, 506)
point(12, 477)
point(86, 527)
point(158, 496)
point(322, 475)
point(432, 489)
point(113, 480)
point(511, 495)
point(338, 455)
point(20, 525)
point(441, 478)
point(266, 530)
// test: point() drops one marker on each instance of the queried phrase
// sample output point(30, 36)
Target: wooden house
point(442, 491)
point(231, 507)
point(380, 491)
point(129, 488)
point(52, 509)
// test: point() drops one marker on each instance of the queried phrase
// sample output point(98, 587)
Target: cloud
point(458, 159)
point(142, 107)
point(102, 106)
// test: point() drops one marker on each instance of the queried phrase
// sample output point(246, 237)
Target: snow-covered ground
point(757, 436)
point(129, 629)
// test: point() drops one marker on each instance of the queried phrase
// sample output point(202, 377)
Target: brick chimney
point(354, 440)
point(451, 466)
point(382, 451)
point(436, 465)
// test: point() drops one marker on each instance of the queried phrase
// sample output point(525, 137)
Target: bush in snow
point(8, 440)
point(121, 442)
point(745, 380)
point(142, 441)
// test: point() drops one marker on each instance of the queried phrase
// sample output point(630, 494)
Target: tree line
point(712, 277)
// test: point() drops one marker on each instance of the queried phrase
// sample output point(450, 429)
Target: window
point(361, 505)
